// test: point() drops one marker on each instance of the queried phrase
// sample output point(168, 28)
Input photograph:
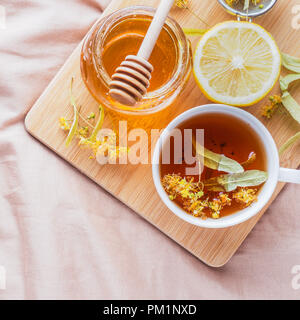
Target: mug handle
point(289, 175)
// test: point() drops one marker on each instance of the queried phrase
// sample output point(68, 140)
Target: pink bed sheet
point(63, 237)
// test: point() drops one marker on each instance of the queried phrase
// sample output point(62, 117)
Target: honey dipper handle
point(155, 29)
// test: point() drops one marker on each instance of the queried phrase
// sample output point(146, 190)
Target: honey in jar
point(121, 34)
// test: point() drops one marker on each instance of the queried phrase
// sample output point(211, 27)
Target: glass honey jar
point(120, 34)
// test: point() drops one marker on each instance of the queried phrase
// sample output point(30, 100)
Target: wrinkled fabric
point(63, 237)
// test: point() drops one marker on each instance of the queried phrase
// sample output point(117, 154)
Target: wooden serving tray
point(133, 184)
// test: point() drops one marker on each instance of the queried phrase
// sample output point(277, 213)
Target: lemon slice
point(236, 63)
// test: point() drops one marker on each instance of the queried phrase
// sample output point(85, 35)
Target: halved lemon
point(236, 63)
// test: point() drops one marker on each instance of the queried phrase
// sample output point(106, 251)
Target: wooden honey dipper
point(131, 79)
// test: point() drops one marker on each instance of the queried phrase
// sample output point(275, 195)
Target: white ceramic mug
point(275, 173)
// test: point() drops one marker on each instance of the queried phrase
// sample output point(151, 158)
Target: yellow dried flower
point(91, 116)
point(92, 142)
point(269, 110)
point(225, 200)
point(218, 204)
point(93, 145)
point(175, 185)
point(215, 206)
point(215, 215)
point(190, 195)
point(275, 99)
point(188, 191)
point(83, 131)
point(181, 3)
point(245, 196)
point(195, 207)
point(109, 149)
point(64, 124)
point(231, 2)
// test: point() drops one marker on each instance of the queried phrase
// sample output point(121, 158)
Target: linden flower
point(245, 196)
point(185, 193)
point(93, 145)
point(107, 153)
point(91, 116)
point(181, 3)
point(225, 200)
point(83, 131)
point(215, 206)
point(269, 110)
point(64, 124)
point(90, 141)
point(175, 185)
point(107, 150)
point(196, 207)
point(190, 194)
point(231, 2)
point(275, 99)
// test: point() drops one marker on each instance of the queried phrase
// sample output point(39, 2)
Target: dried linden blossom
point(83, 131)
point(64, 125)
point(91, 116)
point(107, 143)
point(269, 109)
point(181, 3)
point(245, 196)
point(193, 198)
point(177, 186)
point(109, 149)
point(286, 100)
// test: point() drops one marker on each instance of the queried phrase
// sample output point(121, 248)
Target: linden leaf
point(291, 105)
point(217, 161)
point(291, 63)
point(287, 80)
point(289, 143)
point(230, 182)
